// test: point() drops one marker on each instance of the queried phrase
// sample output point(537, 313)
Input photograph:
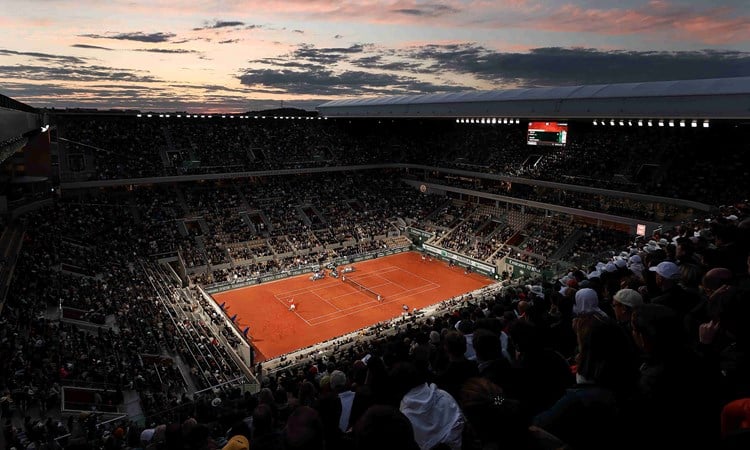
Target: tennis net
point(362, 288)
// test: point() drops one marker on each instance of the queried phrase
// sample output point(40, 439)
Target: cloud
point(45, 56)
point(328, 82)
point(567, 66)
point(229, 41)
point(707, 24)
point(338, 36)
point(73, 73)
point(427, 10)
point(378, 62)
point(165, 50)
point(93, 47)
point(135, 36)
point(329, 55)
point(216, 24)
point(298, 31)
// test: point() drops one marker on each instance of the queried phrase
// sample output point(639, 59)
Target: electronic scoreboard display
point(547, 133)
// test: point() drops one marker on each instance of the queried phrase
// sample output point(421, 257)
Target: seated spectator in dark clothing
point(676, 402)
point(304, 430)
point(586, 417)
point(384, 427)
point(459, 369)
point(670, 293)
point(264, 434)
point(491, 363)
point(539, 376)
point(497, 422)
point(725, 341)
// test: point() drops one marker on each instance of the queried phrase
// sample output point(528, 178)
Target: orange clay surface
point(329, 307)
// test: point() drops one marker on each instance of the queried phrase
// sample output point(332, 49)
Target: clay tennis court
point(329, 307)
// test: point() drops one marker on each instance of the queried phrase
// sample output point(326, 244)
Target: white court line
point(295, 311)
point(369, 307)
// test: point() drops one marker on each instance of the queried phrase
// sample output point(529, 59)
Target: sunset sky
point(235, 56)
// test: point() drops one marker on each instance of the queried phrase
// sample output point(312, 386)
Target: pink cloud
point(710, 26)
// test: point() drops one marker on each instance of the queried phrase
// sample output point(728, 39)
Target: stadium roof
point(718, 98)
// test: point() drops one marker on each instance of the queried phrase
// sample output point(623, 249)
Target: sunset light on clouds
point(235, 56)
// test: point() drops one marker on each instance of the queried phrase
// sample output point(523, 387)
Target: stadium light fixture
point(694, 124)
point(622, 123)
point(494, 120)
point(661, 123)
point(671, 123)
point(161, 115)
point(148, 115)
point(705, 124)
point(223, 117)
point(139, 115)
point(595, 122)
point(682, 124)
point(640, 122)
point(210, 117)
point(517, 121)
point(612, 122)
point(482, 119)
point(630, 123)
point(179, 116)
point(650, 123)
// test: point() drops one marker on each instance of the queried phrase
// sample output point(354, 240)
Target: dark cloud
point(165, 50)
point(327, 82)
point(298, 31)
point(94, 47)
point(73, 73)
point(281, 62)
point(136, 36)
point(45, 56)
point(378, 62)
point(229, 41)
point(206, 87)
point(427, 10)
point(252, 27)
point(338, 36)
point(212, 25)
point(569, 66)
point(330, 55)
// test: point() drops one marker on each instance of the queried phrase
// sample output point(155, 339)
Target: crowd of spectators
point(632, 159)
point(602, 357)
point(564, 363)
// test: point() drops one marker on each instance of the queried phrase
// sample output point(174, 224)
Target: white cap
point(667, 269)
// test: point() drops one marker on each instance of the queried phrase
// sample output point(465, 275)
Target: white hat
point(628, 297)
point(147, 434)
point(667, 269)
point(635, 259)
point(537, 290)
point(594, 274)
point(610, 267)
point(587, 301)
